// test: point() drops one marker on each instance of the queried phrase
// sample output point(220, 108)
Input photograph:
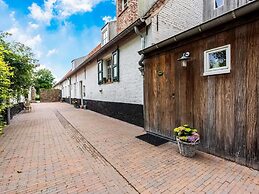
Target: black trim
point(100, 71)
point(131, 113)
point(67, 100)
point(116, 78)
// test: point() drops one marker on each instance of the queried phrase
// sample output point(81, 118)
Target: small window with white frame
point(105, 37)
point(217, 60)
point(218, 3)
point(124, 4)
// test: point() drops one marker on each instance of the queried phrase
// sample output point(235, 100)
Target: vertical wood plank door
point(168, 102)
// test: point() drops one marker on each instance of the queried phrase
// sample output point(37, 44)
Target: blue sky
point(56, 30)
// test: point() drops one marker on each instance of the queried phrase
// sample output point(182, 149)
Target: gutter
point(229, 16)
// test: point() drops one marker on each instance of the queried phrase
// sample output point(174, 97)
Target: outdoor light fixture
point(185, 57)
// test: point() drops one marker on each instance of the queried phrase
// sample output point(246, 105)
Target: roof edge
point(227, 17)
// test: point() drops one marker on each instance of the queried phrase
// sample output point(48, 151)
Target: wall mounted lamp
point(184, 58)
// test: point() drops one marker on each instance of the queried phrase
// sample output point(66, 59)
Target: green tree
point(43, 79)
point(22, 62)
point(5, 83)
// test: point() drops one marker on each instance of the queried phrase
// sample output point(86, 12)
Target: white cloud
point(33, 26)
point(42, 15)
point(60, 9)
point(31, 40)
point(107, 19)
point(43, 42)
point(51, 52)
point(3, 4)
point(12, 16)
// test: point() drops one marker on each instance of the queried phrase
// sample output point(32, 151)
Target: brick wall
point(127, 16)
point(50, 95)
point(174, 17)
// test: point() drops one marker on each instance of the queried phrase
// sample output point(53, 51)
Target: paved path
point(59, 149)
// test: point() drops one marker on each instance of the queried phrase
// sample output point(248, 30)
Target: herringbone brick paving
point(41, 152)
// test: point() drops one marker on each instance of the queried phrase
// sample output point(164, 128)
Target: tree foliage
point(5, 82)
point(5, 91)
point(22, 62)
point(17, 65)
point(43, 79)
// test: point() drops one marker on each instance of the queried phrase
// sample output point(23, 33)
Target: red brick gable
point(127, 16)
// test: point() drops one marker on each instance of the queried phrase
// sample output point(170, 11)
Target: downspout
point(143, 42)
point(141, 64)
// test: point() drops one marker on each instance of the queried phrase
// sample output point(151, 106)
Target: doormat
point(151, 139)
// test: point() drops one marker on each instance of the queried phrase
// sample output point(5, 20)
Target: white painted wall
point(174, 17)
point(130, 87)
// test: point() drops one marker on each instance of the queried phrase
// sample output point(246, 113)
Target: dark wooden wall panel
point(223, 107)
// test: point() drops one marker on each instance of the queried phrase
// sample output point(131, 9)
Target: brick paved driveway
point(59, 149)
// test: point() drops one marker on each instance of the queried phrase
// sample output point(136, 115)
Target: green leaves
point(21, 61)
point(5, 82)
point(43, 79)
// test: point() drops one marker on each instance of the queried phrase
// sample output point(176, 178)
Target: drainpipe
point(143, 42)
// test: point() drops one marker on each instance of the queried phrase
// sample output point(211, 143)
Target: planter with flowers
point(187, 140)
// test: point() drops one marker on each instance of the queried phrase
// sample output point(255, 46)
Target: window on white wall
point(107, 71)
point(217, 60)
point(218, 3)
point(124, 4)
point(105, 37)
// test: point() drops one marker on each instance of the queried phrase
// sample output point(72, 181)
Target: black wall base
point(131, 113)
point(67, 100)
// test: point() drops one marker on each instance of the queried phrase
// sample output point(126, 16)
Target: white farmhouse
point(109, 79)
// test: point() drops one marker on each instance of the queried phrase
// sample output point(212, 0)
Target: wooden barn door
point(168, 100)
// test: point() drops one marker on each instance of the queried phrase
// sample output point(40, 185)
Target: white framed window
point(124, 4)
point(218, 3)
point(217, 60)
point(105, 37)
point(108, 68)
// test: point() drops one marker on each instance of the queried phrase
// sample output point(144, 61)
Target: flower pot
point(187, 149)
